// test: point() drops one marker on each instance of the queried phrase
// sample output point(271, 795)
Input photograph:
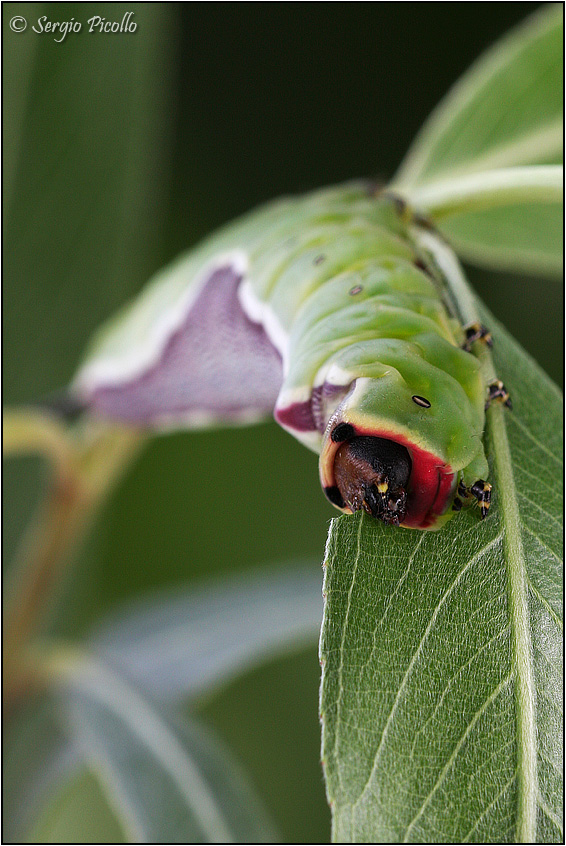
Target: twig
point(84, 472)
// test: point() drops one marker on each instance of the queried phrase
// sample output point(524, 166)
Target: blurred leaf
point(269, 718)
point(171, 645)
point(88, 131)
point(506, 112)
point(178, 644)
point(441, 694)
point(526, 238)
point(78, 812)
point(166, 782)
point(87, 136)
point(511, 219)
point(36, 757)
point(489, 189)
point(18, 54)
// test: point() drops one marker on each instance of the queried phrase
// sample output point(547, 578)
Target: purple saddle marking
point(218, 362)
point(313, 414)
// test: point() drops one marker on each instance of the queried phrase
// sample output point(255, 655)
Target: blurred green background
point(121, 150)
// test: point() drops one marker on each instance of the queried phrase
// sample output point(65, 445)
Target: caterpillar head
point(371, 460)
point(370, 473)
point(363, 468)
point(373, 473)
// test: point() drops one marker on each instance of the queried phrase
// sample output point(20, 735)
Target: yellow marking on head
point(383, 487)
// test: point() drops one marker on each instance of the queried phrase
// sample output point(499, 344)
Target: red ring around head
point(431, 484)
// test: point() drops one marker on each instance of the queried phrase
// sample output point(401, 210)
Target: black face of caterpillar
point(373, 474)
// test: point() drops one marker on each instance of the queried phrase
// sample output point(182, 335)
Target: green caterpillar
point(328, 311)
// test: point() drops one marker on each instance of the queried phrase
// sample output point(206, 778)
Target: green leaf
point(167, 782)
point(491, 189)
point(441, 691)
point(504, 114)
point(506, 111)
point(525, 238)
point(171, 645)
point(88, 142)
point(78, 812)
point(36, 755)
point(178, 644)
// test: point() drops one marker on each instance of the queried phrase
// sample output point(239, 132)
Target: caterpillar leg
point(476, 332)
point(498, 393)
point(463, 491)
point(480, 490)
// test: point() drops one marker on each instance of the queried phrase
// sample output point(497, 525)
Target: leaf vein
point(548, 812)
point(539, 481)
point(546, 604)
point(546, 515)
point(491, 698)
point(544, 545)
point(390, 599)
point(552, 764)
point(486, 811)
point(342, 642)
point(416, 654)
point(514, 419)
point(450, 682)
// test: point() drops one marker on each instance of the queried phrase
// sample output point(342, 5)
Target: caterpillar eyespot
point(422, 401)
point(325, 311)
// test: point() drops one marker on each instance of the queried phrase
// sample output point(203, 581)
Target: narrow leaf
point(178, 644)
point(505, 114)
point(36, 758)
point(87, 143)
point(491, 189)
point(506, 111)
point(441, 693)
point(167, 783)
point(77, 812)
point(510, 219)
point(524, 239)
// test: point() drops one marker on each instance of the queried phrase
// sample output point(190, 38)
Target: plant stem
point(38, 568)
point(79, 485)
